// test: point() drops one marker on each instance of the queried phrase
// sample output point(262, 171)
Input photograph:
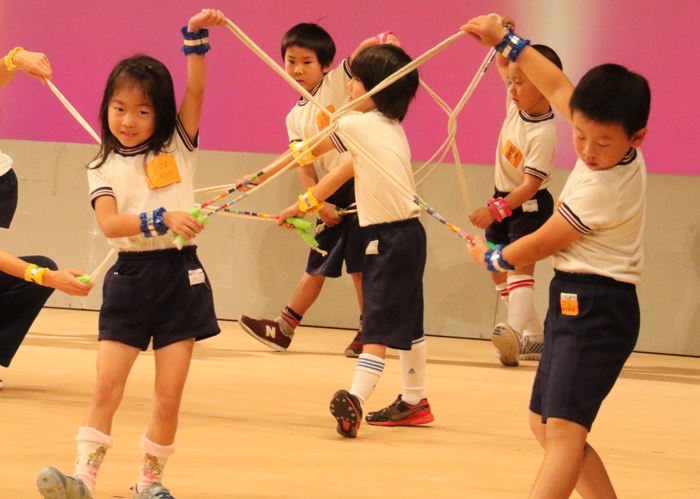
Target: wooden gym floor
point(255, 424)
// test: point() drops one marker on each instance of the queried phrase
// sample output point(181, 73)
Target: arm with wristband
point(34, 64)
point(63, 280)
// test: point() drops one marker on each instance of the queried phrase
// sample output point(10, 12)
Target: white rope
point(72, 110)
point(98, 270)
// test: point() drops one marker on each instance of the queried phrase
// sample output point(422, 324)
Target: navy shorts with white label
point(343, 242)
point(525, 219)
point(164, 295)
point(392, 283)
point(591, 328)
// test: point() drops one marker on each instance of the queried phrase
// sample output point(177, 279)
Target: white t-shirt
point(608, 208)
point(5, 164)
point(305, 120)
point(379, 200)
point(124, 177)
point(527, 146)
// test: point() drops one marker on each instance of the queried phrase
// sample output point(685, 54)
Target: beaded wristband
point(28, 272)
point(495, 262)
point(300, 148)
point(9, 59)
point(511, 46)
point(153, 223)
point(381, 38)
point(38, 275)
point(308, 203)
point(500, 208)
point(196, 42)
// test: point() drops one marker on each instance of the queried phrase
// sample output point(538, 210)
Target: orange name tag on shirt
point(162, 171)
point(322, 119)
point(569, 304)
point(512, 154)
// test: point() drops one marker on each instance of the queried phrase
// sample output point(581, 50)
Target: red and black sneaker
point(265, 331)
point(346, 409)
point(354, 349)
point(402, 414)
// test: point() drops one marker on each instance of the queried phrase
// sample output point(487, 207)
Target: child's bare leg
point(114, 362)
point(357, 281)
point(563, 460)
point(593, 481)
point(172, 367)
point(306, 293)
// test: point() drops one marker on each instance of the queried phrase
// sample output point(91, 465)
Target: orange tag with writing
point(322, 119)
point(512, 154)
point(569, 304)
point(162, 171)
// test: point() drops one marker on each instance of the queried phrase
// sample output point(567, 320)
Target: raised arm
point(191, 106)
point(548, 78)
point(386, 37)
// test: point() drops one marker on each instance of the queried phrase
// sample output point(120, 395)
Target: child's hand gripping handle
point(179, 241)
point(302, 226)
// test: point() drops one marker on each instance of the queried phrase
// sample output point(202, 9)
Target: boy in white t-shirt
point(595, 238)
point(308, 52)
point(521, 203)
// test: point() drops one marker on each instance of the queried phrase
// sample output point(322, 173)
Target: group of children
point(141, 186)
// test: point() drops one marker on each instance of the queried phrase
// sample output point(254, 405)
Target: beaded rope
point(153, 223)
point(196, 42)
point(511, 46)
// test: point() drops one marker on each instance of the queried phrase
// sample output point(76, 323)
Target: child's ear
point(325, 69)
point(638, 137)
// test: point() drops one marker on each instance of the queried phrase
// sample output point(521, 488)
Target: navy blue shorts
point(521, 223)
point(591, 328)
point(343, 242)
point(8, 198)
point(392, 283)
point(164, 295)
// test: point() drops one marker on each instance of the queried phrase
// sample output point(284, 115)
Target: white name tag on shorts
point(530, 206)
point(372, 248)
point(196, 276)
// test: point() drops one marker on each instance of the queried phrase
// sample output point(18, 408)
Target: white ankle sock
point(413, 363)
point(155, 457)
point(367, 373)
point(92, 447)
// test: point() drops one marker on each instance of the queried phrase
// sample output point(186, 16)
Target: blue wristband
point(511, 46)
point(153, 223)
point(495, 262)
point(196, 42)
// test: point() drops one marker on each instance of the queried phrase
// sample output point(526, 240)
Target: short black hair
point(151, 77)
point(549, 54)
point(313, 37)
point(373, 65)
point(611, 93)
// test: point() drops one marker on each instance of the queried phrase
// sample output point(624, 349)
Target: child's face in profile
point(302, 65)
point(524, 94)
point(130, 116)
point(602, 145)
point(356, 90)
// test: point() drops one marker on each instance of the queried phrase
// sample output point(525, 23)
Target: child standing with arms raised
point(141, 187)
point(595, 238)
point(521, 203)
point(395, 244)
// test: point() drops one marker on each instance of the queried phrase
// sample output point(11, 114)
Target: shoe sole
point(349, 352)
point(345, 412)
point(428, 418)
point(531, 356)
point(507, 343)
point(265, 342)
point(50, 484)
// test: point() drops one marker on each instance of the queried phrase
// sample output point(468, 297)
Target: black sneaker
point(346, 409)
point(265, 331)
point(402, 414)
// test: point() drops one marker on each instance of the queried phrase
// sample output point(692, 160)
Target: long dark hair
point(151, 77)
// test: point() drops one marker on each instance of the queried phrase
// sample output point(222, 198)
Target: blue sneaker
point(53, 484)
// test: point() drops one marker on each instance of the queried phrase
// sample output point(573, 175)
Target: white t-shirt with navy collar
point(123, 177)
point(304, 119)
point(608, 208)
point(526, 146)
point(5, 164)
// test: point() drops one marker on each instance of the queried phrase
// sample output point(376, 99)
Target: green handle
point(84, 278)
point(299, 223)
point(196, 214)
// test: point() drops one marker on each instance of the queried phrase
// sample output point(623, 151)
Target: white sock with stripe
point(521, 306)
point(502, 290)
point(413, 363)
point(367, 373)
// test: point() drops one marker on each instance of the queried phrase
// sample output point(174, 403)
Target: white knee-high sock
point(155, 457)
point(502, 290)
point(92, 447)
point(367, 373)
point(413, 363)
point(521, 308)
